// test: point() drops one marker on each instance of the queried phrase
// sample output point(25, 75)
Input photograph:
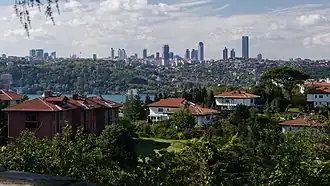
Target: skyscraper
point(157, 55)
point(32, 53)
point(119, 53)
point(40, 54)
point(187, 56)
point(112, 53)
point(232, 54)
point(201, 51)
point(53, 55)
point(245, 47)
point(94, 57)
point(145, 54)
point(225, 53)
point(196, 55)
point(193, 54)
point(46, 56)
point(171, 55)
point(259, 57)
point(166, 55)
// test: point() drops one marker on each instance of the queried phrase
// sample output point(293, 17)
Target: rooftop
point(197, 110)
point(302, 122)
point(169, 102)
point(9, 96)
point(237, 94)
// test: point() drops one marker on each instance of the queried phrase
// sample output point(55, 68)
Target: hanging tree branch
point(22, 10)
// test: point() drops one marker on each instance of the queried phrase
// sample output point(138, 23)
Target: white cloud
point(95, 26)
point(312, 19)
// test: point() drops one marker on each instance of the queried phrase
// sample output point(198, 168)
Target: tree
point(284, 76)
point(183, 119)
point(147, 101)
point(134, 109)
point(210, 100)
point(22, 10)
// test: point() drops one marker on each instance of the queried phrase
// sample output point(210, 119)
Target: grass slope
point(145, 146)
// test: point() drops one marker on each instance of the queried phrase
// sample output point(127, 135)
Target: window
point(160, 110)
point(320, 96)
point(251, 100)
point(227, 101)
point(31, 121)
point(208, 117)
point(315, 96)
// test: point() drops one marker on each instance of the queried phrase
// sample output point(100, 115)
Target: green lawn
point(295, 110)
point(145, 146)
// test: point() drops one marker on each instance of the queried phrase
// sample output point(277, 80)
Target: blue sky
point(279, 29)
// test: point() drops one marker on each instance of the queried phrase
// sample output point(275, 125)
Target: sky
point(279, 29)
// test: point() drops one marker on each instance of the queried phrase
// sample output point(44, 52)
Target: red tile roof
point(55, 98)
point(302, 122)
point(317, 84)
point(198, 110)
point(84, 103)
point(237, 94)
point(9, 96)
point(37, 104)
point(169, 102)
point(105, 103)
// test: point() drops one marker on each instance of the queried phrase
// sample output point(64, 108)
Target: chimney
point(75, 96)
point(47, 94)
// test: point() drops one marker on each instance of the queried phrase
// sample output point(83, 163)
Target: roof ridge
point(44, 102)
point(6, 94)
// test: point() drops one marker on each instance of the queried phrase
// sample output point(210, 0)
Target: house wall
point(159, 113)
point(50, 123)
point(227, 103)
point(319, 99)
point(204, 119)
point(288, 128)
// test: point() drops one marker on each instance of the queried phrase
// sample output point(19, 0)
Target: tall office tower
point(157, 55)
point(171, 55)
point(225, 54)
point(187, 56)
point(32, 53)
point(145, 54)
point(245, 47)
point(94, 57)
point(46, 56)
point(136, 56)
point(40, 54)
point(112, 53)
point(201, 51)
point(192, 56)
point(53, 55)
point(119, 53)
point(166, 55)
point(196, 54)
point(123, 54)
point(232, 54)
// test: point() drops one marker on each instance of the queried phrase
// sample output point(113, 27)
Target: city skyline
point(276, 30)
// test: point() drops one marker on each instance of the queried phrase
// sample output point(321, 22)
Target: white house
point(300, 125)
point(319, 94)
point(229, 100)
point(164, 108)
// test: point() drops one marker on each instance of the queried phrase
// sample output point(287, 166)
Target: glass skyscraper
point(201, 51)
point(166, 54)
point(245, 47)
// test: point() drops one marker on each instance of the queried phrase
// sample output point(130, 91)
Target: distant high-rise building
point(32, 53)
point(171, 55)
point(145, 53)
point(192, 54)
point(94, 57)
point(187, 56)
point(232, 54)
point(46, 56)
point(166, 55)
point(4, 56)
point(196, 54)
point(201, 51)
point(123, 54)
point(40, 54)
point(245, 47)
point(112, 53)
point(119, 53)
point(157, 55)
point(259, 57)
point(53, 55)
point(225, 53)
point(136, 56)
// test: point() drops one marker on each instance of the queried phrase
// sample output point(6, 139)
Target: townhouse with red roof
point(47, 115)
point(164, 108)
point(300, 124)
point(9, 98)
point(230, 100)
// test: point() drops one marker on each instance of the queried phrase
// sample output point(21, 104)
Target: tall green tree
point(284, 76)
point(183, 119)
point(210, 99)
point(134, 109)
